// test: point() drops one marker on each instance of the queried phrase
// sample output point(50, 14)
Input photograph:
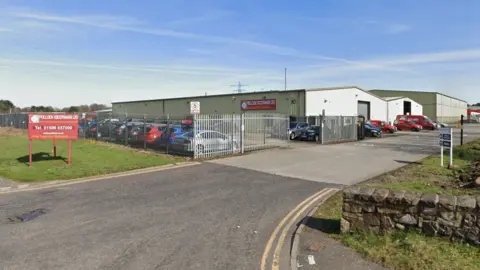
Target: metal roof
point(343, 88)
point(413, 91)
point(218, 95)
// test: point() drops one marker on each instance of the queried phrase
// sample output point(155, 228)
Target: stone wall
point(380, 210)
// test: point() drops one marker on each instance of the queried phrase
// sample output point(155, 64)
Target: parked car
point(168, 135)
point(280, 131)
point(153, 132)
point(204, 141)
point(295, 129)
point(406, 125)
point(119, 131)
point(421, 120)
point(440, 125)
point(384, 126)
point(312, 133)
point(372, 131)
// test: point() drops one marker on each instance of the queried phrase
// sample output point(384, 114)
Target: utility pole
point(285, 79)
point(239, 87)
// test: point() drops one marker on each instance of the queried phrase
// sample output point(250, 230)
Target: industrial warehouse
point(382, 105)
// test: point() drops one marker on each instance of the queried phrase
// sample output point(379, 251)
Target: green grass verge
point(87, 159)
point(401, 250)
point(428, 176)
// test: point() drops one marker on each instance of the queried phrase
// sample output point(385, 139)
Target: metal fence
point(334, 129)
point(14, 120)
point(200, 136)
point(227, 134)
point(339, 129)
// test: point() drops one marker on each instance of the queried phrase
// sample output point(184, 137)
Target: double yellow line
point(281, 230)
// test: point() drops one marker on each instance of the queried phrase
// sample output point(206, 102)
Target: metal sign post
point(446, 141)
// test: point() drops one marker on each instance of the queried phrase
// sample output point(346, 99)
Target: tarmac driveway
point(206, 216)
point(347, 163)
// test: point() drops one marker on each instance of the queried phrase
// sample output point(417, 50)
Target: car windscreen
point(293, 125)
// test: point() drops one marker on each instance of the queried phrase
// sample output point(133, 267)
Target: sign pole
point(441, 156)
point(30, 153)
point(54, 148)
point(451, 149)
point(69, 152)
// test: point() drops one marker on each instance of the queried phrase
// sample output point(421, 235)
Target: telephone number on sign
point(54, 127)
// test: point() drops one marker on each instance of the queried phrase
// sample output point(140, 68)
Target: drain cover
point(28, 216)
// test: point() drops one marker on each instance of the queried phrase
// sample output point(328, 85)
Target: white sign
point(194, 107)
point(446, 141)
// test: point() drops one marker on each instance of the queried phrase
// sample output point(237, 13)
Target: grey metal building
point(436, 106)
point(290, 102)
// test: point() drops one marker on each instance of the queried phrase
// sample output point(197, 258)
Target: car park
point(384, 126)
point(169, 134)
point(421, 120)
point(296, 128)
point(406, 125)
point(152, 133)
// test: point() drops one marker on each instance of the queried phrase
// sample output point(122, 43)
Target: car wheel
point(317, 138)
point(292, 136)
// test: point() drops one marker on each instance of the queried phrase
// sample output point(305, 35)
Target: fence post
point(242, 132)
point(194, 142)
point(322, 126)
point(125, 130)
point(144, 132)
point(168, 132)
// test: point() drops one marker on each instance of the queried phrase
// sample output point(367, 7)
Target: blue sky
point(73, 52)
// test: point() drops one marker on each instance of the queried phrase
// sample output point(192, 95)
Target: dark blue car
point(372, 131)
point(168, 136)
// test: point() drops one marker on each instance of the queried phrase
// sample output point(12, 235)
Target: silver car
point(205, 141)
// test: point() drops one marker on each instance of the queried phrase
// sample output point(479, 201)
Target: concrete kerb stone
point(299, 230)
point(59, 183)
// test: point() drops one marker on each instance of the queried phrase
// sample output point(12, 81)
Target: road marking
point(311, 260)
point(104, 177)
point(281, 239)
point(279, 226)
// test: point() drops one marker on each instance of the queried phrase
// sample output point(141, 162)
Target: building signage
point(259, 104)
point(194, 107)
point(52, 126)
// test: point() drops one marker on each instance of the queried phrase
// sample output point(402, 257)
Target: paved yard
point(347, 163)
point(207, 216)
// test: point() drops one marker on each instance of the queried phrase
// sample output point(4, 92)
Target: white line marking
point(5, 188)
point(311, 260)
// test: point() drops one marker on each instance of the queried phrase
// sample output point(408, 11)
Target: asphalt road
point(207, 216)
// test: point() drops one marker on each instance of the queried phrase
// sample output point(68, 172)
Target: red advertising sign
point(50, 126)
point(259, 104)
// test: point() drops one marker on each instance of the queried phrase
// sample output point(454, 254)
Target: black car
point(312, 133)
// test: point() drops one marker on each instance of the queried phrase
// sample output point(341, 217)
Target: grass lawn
point(87, 159)
point(428, 176)
point(401, 250)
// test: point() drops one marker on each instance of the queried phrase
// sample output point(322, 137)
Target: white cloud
point(397, 28)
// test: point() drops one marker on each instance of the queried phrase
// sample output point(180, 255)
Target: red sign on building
point(52, 126)
point(259, 105)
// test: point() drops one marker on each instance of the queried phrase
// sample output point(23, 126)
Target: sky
point(63, 53)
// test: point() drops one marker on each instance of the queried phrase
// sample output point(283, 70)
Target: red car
point(407, 125)
point(384, 126)
point(153, 133)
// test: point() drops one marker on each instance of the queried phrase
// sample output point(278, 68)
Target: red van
point(421, 120)
point(384, 126)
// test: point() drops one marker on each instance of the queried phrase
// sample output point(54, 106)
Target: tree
point(6, 106)
point(97, 107)
point(73, 109)
point(476, 104)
